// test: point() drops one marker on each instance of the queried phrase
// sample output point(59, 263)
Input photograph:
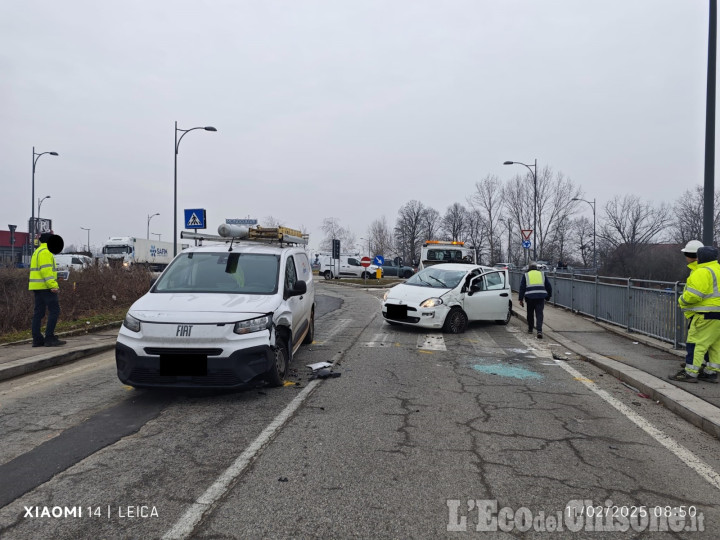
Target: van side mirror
point(299, 288)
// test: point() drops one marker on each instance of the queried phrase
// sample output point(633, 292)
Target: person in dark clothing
point(535, 289)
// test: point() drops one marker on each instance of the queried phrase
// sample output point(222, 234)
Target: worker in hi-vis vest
point(534, 290)
point(701, 298)
point(43, 283)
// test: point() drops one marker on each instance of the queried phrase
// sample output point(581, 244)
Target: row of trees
point(630, 232)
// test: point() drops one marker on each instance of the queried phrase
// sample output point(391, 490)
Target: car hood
point(201, 308)
point(411, 294)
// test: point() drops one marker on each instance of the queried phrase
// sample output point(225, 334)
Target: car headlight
point(431, 302)
point(253, 325)
point(387, 293)
point(131, 323)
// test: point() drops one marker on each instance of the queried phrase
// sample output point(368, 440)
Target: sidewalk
point(643, 363)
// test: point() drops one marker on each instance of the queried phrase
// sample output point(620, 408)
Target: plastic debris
point(325, 373)
point(283, 479)
point(319, 365)
point(631, 388)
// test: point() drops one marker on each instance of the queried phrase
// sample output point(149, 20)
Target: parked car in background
point(72, 261)
point(505, 265)
point(393, 270)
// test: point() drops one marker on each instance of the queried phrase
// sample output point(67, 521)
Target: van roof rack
point(240, 233)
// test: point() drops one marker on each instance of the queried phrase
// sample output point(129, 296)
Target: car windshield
point(437, 278)
point(222, 272)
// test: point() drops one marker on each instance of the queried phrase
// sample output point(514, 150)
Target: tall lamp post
point(533, 170)
point(594, 235)
point(40, 201)
point(148, 223)
point(177, 147)
point(36, 156)
point(88, 230)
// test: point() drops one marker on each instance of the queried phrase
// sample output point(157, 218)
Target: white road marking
point(380, 340)
point(485, 345)
point(431, 342)
point(685, 455)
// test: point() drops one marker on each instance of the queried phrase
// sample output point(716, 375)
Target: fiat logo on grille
point(183, 330)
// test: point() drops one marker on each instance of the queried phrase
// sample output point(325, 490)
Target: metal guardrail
point(639, 305)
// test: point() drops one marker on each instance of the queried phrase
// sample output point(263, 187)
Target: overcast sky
point(339, 108)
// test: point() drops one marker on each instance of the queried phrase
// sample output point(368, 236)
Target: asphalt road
point(421, 436)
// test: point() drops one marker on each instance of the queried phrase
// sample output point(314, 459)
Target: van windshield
point(221, 272)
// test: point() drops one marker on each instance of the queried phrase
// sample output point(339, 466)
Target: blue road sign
point(195, 218)
point(526, 244)
point(379, 260)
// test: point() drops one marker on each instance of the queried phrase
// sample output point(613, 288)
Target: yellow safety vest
point(535, 285)
point(701, 294)
point(43, 274)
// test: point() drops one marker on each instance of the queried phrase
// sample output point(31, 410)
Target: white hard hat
point(692, 246)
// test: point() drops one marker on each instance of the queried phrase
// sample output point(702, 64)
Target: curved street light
point(594, 235)
point(533, 170)
point(36, 156)
point(148, 223)
point(40, 201)
point(177, 147)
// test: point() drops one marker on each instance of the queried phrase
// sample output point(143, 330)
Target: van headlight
point(253, 325)
point(131, 323)
point(431, 302)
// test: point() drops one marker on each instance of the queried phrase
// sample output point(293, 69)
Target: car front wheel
point(276, 374)
point(455, 321)
point(328, 274)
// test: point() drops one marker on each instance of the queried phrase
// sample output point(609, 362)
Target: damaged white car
point(448, 296)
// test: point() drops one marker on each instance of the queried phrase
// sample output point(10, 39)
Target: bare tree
point(430, 223)
point(489, 198)
point(687, 222)
point(582, 232)
point(409, 231)
point(332, 229)
point(476, 233)
point(381, 239)
point(555, 207)
point(632, 225)
point(453, 222)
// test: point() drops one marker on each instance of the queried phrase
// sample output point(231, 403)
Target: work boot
point(38, 342)
point(54, 342)
point(529, 330)
point(539, 336)
point(682, 376)
point(708, 377)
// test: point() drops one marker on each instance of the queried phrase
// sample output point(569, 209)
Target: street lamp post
point(40, 201)
point(177, 147)
point(36, 156)
point(148, 223)
point(594, 235)
point(88, 244)
point(534, 171)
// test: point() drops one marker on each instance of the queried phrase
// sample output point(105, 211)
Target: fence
point(638, 305)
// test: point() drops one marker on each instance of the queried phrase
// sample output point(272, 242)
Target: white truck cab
point(220, 317)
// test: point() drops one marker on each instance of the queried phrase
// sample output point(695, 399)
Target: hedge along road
point(417, 428)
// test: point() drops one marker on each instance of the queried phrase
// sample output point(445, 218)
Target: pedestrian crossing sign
point(195, 218)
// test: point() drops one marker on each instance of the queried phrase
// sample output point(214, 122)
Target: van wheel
point(507, 317)
point(310, 336)
point(365, 275)
point(455, 321)
point(328, 274)
point(407, 274)
point(276, 374)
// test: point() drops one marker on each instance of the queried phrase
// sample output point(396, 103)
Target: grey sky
point(339, 108)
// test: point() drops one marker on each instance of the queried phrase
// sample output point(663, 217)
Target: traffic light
point(335, 248)
point(12, 234)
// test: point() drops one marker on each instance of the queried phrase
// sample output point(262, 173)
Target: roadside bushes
point(93, 291)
